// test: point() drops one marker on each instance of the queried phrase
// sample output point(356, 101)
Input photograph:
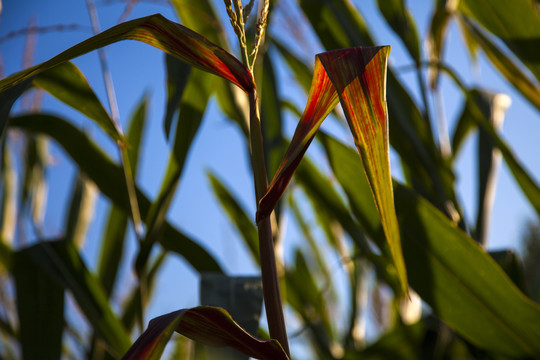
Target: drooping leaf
point(462, 284)
point(321, 101)
point(68, 84)
point(40, 309)
point(359, 77)
point(517, 25)
point(161, 33)
point(108, 178)
point(338, 24)
point(502, 62)
point(7, 99)
point(208, 325)
point(61, 261)
point(241, 297)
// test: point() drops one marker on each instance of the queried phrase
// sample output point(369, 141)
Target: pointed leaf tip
point(357, 78)
point(321, 101)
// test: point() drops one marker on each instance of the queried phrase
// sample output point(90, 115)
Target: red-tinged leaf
point(207, 325)
point(321, 101)
point(163, 34)
point(357, 77)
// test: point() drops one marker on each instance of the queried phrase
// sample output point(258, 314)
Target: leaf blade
point(157, 31)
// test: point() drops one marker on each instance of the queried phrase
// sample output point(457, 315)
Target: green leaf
point(177, 78)
point(161, 33)
point(510, 262)
point(40, 309)
point(517, 25)
point(108, 177)
point(462, 284)
point(328, 204)
point(237, 215)
point(338, 24)
point(68, 84)
point(401, 21)
point(506, 66)
point(61, 261)
point(80, 210)
point(208, 325)
point(401, 343)
point(308, 301)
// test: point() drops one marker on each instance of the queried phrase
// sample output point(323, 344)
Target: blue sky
point(137, 69)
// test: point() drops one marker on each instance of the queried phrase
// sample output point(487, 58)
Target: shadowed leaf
point(68, 84)
point(208, 325)
point(108, 177)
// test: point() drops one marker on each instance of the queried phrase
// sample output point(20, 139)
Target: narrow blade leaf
point(359, 77)
point(68, 84)
point(163, 34)
point(321, 101)
point(208, 325)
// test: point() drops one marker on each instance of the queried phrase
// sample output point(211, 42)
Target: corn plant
point(411, 235)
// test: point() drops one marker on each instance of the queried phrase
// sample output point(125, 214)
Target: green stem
point(270, 279)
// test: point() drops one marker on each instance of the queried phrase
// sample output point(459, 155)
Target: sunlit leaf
point(208, 325)
point(359, 77)
point(338, 24)
point(161, 33)
point(321, 101)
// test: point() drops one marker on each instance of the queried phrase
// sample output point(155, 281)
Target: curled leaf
point(205, 324)
point(357, 76)
point(321, 101)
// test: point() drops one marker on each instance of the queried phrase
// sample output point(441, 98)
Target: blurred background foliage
point(338, 282)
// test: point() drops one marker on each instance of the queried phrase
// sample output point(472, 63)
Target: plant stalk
point(270, 279)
